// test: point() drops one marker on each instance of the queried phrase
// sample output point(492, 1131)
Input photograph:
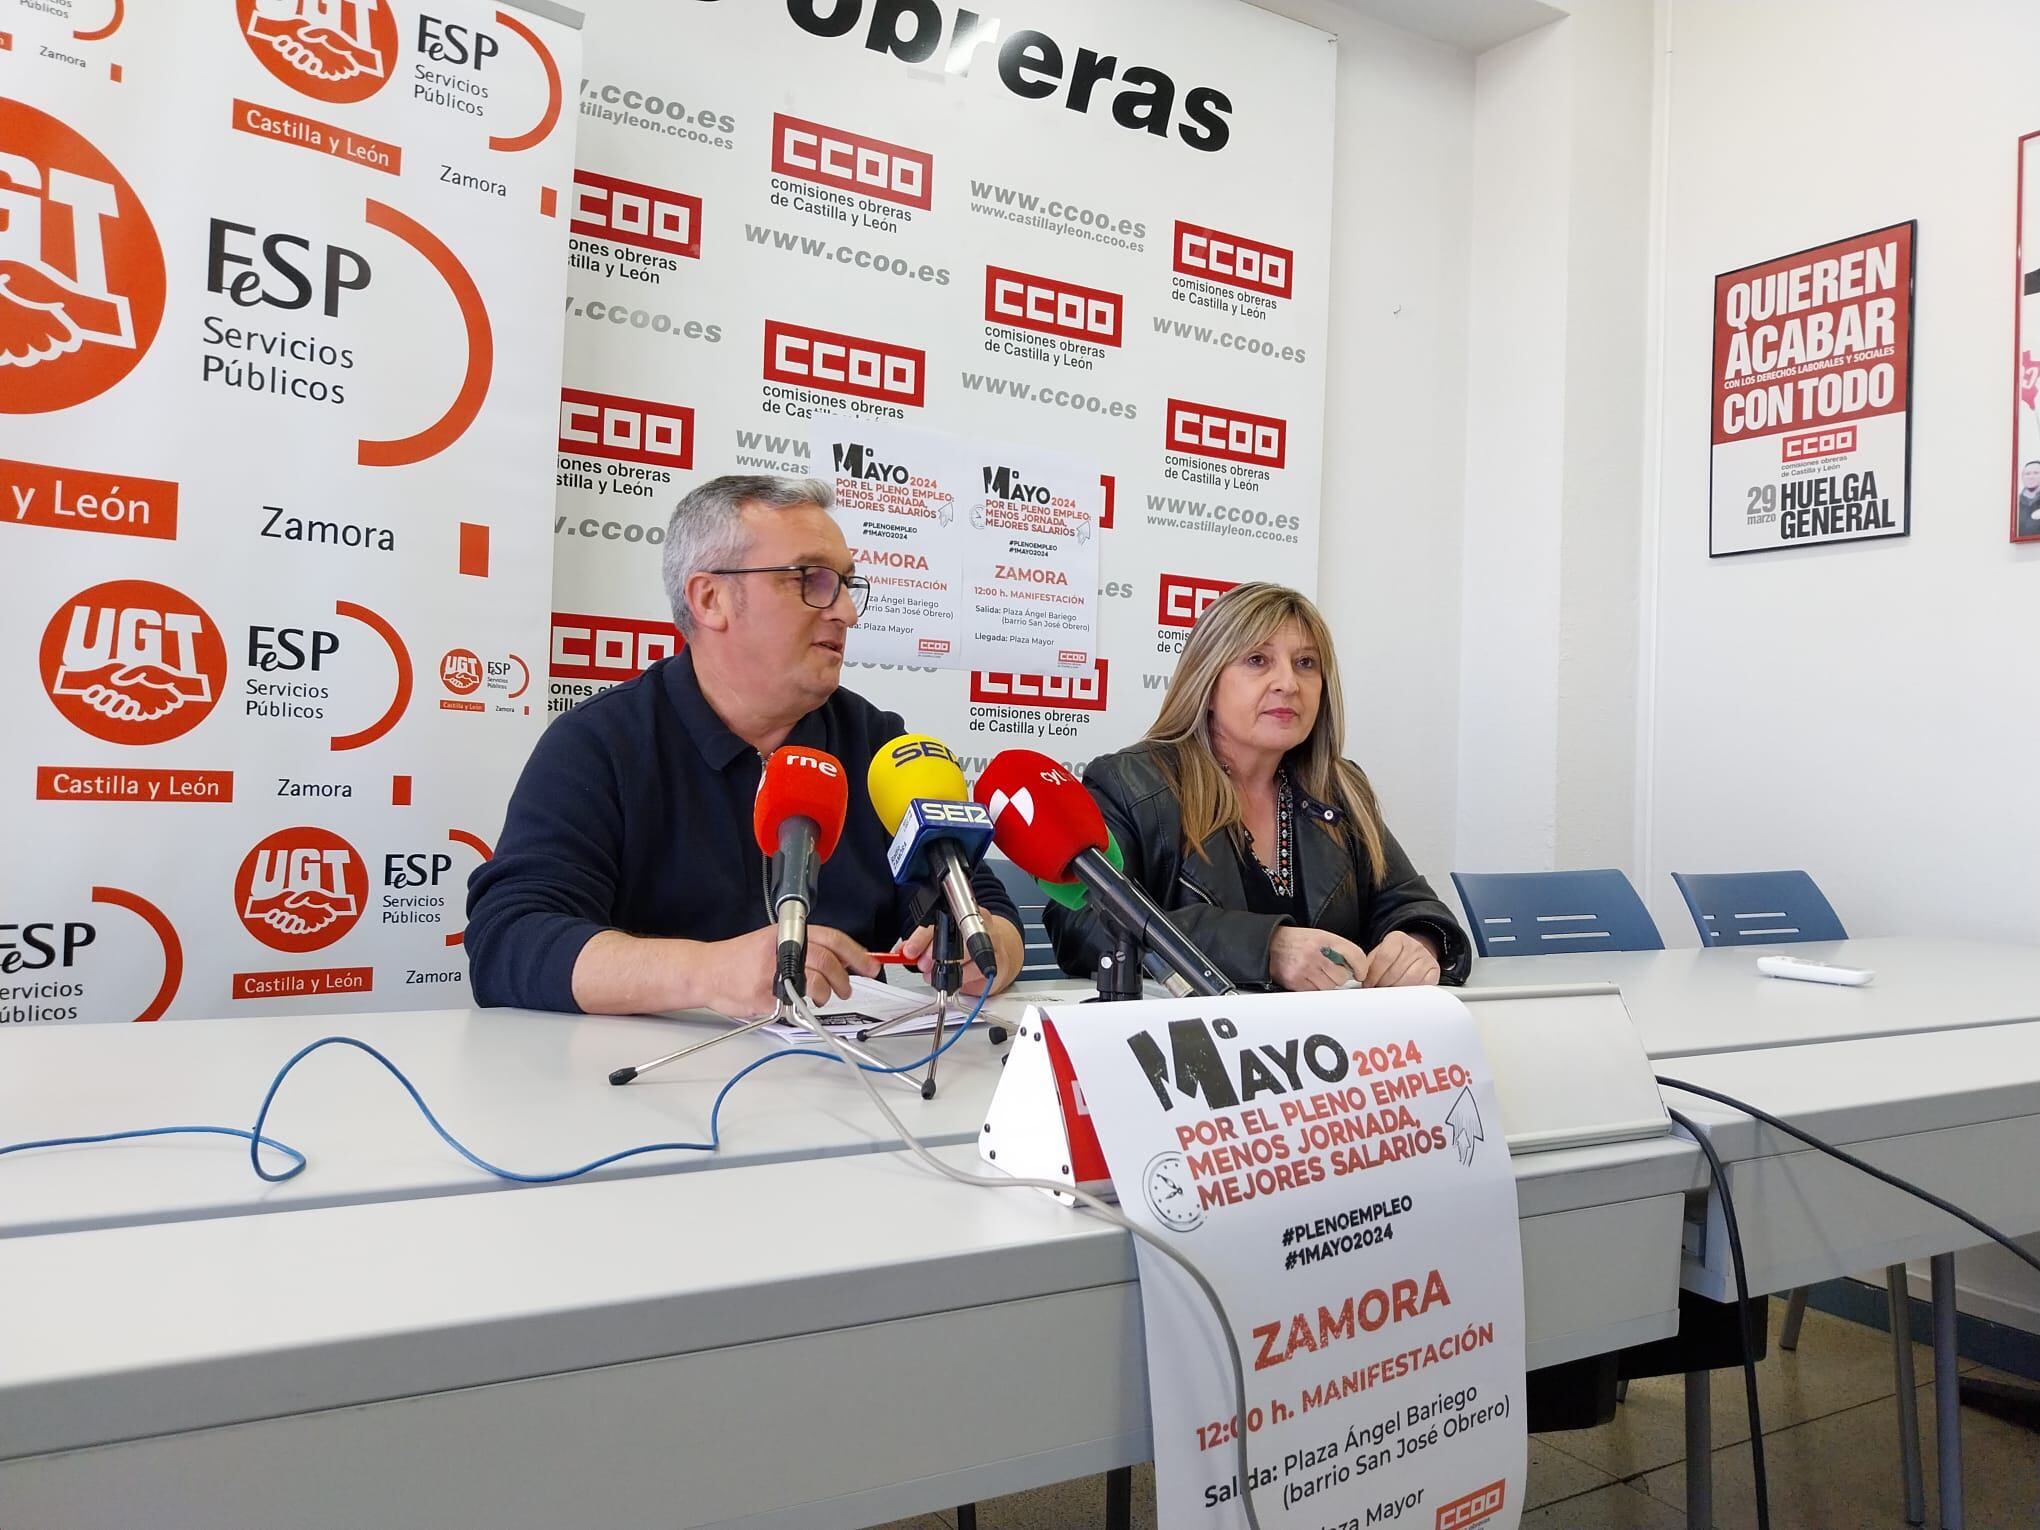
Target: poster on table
point(1090, 242)
point(1334, 1166)
point(1812, 396)
point(976, 554)
point(279, 364)
point(2026, 352)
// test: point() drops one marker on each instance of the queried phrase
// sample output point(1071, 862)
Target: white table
point(874, 1342)
point(1932, 1071)
point(1689, 1002)
point(817, 1332)
point(524, 1089)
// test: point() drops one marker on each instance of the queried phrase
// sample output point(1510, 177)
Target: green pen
point(1332, 956)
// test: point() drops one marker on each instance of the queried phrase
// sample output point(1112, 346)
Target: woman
point(1238, 814)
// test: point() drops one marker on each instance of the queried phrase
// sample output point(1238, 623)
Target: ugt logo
point(301, 889)
point(133, 662)
point(81, 269)
point(333, 50)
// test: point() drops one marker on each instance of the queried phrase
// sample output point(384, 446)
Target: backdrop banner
point(1063, 236)
point(280, 289)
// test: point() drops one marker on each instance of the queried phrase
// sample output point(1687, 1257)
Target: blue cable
point(256, 1141)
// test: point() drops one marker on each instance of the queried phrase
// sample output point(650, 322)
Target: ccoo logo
point(332, 50)
point(133, 662)
point(81, 269)
point(301, 889)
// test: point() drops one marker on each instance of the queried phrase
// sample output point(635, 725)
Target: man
point(627, 879)
point(2029, 499)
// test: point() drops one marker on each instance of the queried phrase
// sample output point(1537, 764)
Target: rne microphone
point(918, 790)
point(803, 797)
point(1048, 826)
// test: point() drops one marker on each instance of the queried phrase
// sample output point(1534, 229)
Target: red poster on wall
point(1812, 397)
point(2026, 353)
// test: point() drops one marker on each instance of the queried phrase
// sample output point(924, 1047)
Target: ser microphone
point(803, 797)
point(1048, 826)
point(939, 834)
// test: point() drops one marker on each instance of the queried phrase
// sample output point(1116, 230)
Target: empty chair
point(1028, 897)
point(1755, 908)
point(1537, 913)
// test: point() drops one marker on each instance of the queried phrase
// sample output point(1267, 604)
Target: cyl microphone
point(803, 797)
point(918, 789)
point(1048, 826)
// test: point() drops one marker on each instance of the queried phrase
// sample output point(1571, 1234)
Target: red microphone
point(1042, 818)
point(1049, 826)
point(803, 797)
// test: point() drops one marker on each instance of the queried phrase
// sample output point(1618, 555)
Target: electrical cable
point(257, 1141)
point(1111, 1214)
point(1854, 1162)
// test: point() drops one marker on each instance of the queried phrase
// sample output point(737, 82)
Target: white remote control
point(1801, 970)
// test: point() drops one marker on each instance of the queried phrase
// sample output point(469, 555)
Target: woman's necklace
point(1281, 876)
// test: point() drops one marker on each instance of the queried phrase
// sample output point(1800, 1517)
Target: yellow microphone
point(913, 765)
point(918, 790)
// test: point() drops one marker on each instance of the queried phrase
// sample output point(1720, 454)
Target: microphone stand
point(782, 1011)
point(1119, 980)
point(948, 982)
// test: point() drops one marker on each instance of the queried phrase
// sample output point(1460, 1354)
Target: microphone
point(1072, 896)
point(798, 817)
point(938, 832)
point(1048, 826)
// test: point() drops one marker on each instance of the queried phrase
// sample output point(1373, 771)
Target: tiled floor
point(1830, 1446)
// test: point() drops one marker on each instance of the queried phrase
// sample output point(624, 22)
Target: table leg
point(1947, 1393)
point(1908, 1395)
point(1699, 1452)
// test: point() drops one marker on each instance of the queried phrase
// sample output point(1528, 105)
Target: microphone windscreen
point(1071, 895)
point(801, 783)
point(913, 766)
point(1042, 818)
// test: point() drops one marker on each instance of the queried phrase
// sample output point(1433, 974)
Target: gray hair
point(707, 528)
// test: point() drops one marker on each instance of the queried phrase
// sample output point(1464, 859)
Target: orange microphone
point(803, 798)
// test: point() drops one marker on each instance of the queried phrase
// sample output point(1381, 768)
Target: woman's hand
point(1402, 960)
point(1297, 960)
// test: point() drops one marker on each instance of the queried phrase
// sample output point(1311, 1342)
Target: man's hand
point(1402, 960)
point(736, 976)
point(1009, 950)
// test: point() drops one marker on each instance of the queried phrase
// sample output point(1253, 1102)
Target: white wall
point(1555, 445)
point(1866, 712)
point(1395, 412)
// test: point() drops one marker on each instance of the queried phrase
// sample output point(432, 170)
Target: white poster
point(900, 502)
point(1079, 238)
point(977, 554)
point(1333, 1164)
point(279, 358)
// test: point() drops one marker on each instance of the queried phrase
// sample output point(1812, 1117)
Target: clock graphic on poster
point(1170, 1194)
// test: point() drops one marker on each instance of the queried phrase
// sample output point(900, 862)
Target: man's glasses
point(820, 585)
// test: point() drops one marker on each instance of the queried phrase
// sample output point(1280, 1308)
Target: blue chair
point(1757, 908)
point(1537, 913)
point(1028, 897)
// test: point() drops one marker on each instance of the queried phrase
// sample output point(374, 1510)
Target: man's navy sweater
point(634, 814)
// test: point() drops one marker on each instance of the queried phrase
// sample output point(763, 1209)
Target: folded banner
point(1334, 1165)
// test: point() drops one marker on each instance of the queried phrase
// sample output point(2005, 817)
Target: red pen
point(897, 958)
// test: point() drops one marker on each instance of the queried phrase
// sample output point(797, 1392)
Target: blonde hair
point(1235, 624)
